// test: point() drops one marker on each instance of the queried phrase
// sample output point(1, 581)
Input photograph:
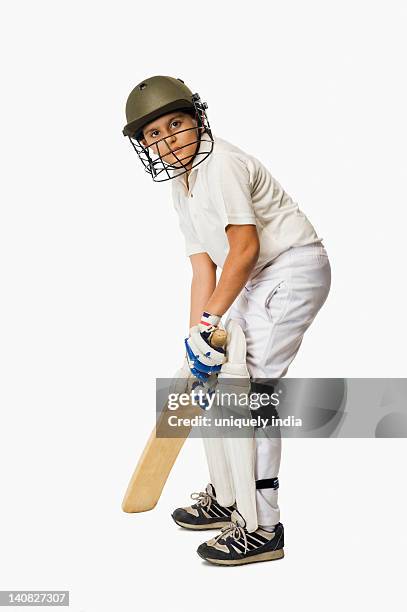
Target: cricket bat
point(159, 455)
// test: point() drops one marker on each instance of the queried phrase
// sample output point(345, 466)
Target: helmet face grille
point(157, 167)
point(161, 170)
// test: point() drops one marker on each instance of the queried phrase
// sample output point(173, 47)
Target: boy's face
point(164, 137)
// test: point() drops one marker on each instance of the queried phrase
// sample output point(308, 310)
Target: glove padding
point(203, 359)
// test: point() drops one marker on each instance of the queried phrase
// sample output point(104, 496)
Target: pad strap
point(267, 483)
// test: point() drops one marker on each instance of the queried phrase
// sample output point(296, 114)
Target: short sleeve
point(230, 182)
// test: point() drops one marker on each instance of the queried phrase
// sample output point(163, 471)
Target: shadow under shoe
point(206, 513)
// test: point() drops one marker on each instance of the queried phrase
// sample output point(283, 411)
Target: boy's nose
point(170, 140)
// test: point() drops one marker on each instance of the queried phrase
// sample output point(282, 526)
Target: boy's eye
point(155, 133)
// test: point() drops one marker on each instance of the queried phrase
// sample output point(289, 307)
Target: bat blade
point(160, 453)
point(153, 468)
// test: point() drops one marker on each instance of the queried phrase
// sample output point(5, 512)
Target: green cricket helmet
point(153, 98)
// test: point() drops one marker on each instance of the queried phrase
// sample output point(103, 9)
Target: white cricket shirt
point(233, 187)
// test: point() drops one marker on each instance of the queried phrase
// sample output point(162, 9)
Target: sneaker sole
point(267, 556)
point(201, 527)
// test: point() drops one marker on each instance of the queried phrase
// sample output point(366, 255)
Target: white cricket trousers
point(275, 309)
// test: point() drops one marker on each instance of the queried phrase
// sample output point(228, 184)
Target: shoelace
point(202, 499)
point(234, 531)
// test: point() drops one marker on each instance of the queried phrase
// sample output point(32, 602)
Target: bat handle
point(218, 338)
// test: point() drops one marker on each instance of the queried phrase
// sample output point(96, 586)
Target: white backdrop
point(93, 272)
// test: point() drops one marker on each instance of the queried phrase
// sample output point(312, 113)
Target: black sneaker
point(206, 513)
point(236, 546)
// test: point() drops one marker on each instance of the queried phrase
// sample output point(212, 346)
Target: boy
point(275, 277)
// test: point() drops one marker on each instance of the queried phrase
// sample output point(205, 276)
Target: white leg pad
point(231, 460)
